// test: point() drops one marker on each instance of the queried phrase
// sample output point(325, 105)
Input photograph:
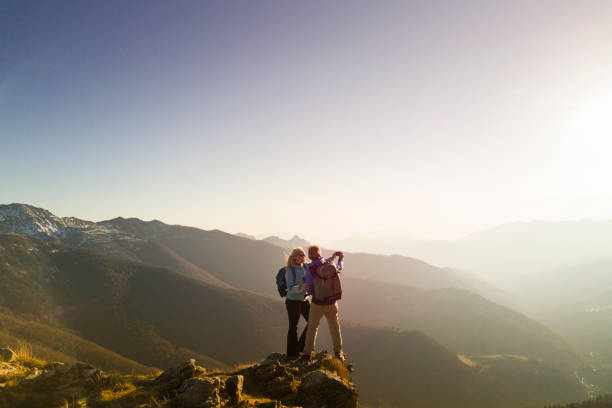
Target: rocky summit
point(276, 382)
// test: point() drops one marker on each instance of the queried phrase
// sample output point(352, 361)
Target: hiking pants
point(295, 308)
point(331, 315)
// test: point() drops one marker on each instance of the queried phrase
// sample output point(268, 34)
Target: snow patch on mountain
point(28, 220)
point(24, 219)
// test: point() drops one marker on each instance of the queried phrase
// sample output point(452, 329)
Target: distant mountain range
point(157, 293)
point(499, 253)
point(507, 251)
point(576, 300)
point(294, 242)
point(243, 235)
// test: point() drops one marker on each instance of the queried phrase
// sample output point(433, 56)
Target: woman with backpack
point(296, 303)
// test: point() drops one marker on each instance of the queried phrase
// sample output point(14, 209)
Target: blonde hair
point(292, 259)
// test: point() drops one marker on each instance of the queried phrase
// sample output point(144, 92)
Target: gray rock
point(90, 372)
point(85, 370)
point(316, 379)
point(269, 370)
point(55, 368)
point(234, 386)
point(275, 356)
point(174, 377)
point(278, 387)
point(199, 392)
point(323, 389)
point(6, 354)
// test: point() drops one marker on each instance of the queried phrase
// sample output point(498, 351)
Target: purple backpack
point(326, 284)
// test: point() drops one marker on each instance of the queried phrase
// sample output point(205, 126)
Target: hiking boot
point(340, 356)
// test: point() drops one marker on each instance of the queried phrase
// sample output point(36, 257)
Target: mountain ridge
point(152, 305)
point(174, 320)
point(213, 251)
point(509, 250)
point(40, 223)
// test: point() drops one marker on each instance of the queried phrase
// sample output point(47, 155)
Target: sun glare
point(594, 119)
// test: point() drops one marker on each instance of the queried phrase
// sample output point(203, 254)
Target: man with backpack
point(324, 285)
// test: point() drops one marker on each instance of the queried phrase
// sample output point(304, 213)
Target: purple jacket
point(316, 263)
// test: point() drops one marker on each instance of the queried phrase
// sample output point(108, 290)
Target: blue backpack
point(281, 283)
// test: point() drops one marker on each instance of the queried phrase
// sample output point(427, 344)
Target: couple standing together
point(318, 279)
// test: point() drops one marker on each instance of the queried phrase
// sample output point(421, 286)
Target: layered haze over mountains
point(559, 273)
point(154, 294)
point(504, 251)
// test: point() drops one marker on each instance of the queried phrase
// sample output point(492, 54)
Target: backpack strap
point(313, 271)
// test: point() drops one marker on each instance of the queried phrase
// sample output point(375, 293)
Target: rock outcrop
point(276, 382)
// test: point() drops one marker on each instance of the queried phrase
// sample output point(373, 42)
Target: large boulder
point(309, 383)
point(199, 392)
point(322, 388)
point(174, 377)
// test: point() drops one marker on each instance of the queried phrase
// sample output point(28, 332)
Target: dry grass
point(32, 362)
point(503, 357)
point(465, 360)
point(125, 391)
point(23, 350)
point(118, 391)
point(334, 365)
point(157, 403)
point(25, 356)
point(55, 344)
point(252, 401)
point(240, 367)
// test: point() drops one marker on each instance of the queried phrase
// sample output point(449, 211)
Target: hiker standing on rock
point(324, 286)
point(296, 303)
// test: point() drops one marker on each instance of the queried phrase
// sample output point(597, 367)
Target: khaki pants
point(331, 315)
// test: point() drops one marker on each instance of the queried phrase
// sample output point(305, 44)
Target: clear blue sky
point(432, 117)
